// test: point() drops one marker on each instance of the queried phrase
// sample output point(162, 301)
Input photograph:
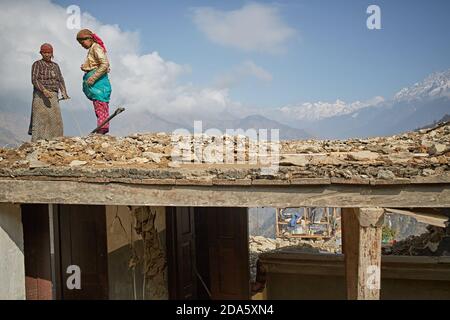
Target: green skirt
point(100, 90)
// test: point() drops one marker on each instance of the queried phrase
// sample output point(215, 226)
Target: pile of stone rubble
point(94, 150)
point(435, 242)
point(414, 154)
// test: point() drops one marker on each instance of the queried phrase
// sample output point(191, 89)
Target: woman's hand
point(65, 96)
point(48, 94)
point(90, 81)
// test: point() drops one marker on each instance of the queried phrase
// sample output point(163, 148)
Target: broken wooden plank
point(444, 178)
point(382, 182)
point(268, 182)
point(310, 181)
point(190, 182)
point(438, 220)
point(232, 182)
point(354, 181)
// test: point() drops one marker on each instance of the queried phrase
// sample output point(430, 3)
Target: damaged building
point(139, 227)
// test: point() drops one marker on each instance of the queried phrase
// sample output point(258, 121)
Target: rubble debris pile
point(435, 242)
point(421, 154)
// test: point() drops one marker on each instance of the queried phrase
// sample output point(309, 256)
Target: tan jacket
point(96, 59)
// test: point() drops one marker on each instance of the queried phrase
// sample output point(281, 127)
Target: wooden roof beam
point(423, 216)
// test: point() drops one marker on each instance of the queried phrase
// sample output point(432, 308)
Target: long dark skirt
point(46, 121)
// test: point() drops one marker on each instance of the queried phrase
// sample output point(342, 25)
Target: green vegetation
point(388, 234)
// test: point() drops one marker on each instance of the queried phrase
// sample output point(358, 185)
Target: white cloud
point(254, 27)
point(245, 70)
point(139, 81)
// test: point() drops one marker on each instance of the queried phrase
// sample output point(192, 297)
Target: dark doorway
point(208, 253)
point(36, 238)
point(181, 253)
point(60, 236)
point(82, 234)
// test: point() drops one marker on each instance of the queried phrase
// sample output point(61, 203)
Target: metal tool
point(118, 111)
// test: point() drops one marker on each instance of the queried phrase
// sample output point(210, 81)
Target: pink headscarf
point(97, 39)
point(86, 33)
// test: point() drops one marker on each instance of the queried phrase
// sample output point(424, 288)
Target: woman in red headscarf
point(96, 85)
point(46, 121)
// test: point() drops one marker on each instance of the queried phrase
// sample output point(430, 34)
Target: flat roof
point(405, 171)
point(420, 157)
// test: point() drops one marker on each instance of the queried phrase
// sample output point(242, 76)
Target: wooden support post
point(327, 212)
point(361, 240)
point(307, 213)
point(277, 226)
point(334, 220)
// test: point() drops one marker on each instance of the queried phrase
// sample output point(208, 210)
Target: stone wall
point(154, 256)
point(132, 232)
point(12, 265)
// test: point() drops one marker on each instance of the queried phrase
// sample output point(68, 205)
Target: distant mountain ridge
point(320, 110)
point(148, 122)
point(13, 129)
point(381, 120)
point(410, 108)
point(260, 122)
point(444, 119)
point(13, 126)
point(434, 86)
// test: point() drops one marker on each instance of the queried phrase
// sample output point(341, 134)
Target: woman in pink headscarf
point(96, 85)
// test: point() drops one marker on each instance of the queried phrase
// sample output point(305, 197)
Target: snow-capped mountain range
point(312, 111)
point(435, 86)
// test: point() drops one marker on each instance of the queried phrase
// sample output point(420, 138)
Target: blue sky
point(332, 54)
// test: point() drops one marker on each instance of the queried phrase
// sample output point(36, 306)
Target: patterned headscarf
point(88, 34)
point(46, 47)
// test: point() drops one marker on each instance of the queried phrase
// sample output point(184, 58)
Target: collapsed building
point(140, 226)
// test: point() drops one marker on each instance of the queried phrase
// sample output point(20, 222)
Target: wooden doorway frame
point(173, 261)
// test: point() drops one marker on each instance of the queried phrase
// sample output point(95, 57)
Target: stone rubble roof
point(413, 157)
